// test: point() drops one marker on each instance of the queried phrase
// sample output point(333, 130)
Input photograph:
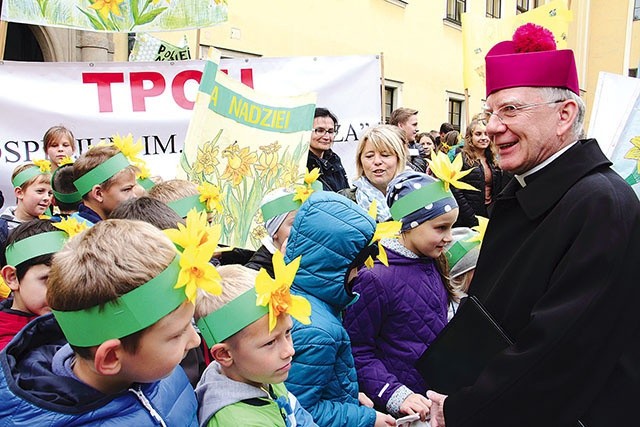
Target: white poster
point(153, 101)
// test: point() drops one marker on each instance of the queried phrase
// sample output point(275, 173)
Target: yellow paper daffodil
point(66, 160)
point(196, 272)
point(211, 196)
point(143, 171)
point(276, 292)
point(130, 149)
point(311, 177)
point(481, 228)
point(449, 173)
point(5, 290)
point(71, 226)
point(384, 230)
point(196, 232)
point(634, 152)
point(302, 193)
point(44, 165)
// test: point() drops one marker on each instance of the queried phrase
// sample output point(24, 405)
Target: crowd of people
point(119, 306)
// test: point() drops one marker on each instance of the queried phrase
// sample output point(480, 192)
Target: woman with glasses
point(380, 157)
point(332, 174)
point(479, 155)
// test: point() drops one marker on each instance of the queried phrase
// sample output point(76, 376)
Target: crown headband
point(459, 249)
point(101, 173)
point(35, 246)
point(292, 202)
point(231, 318)
point(29, 173)
point(132, 312)
point(184, 205)
point(64, 197)
point(418, 199)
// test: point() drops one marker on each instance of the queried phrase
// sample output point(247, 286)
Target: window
point(455, 8)
point(636, 11)
point(633, 72)
point(536, 3)
point(493, 8)
point(522, 6)
point(455, 113)
point(392, 93)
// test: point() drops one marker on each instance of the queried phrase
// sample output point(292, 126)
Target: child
point(32, 188)
point(403, 306)
point(58, 143)
point(65, 195)
point(28, 259)
point(329, 232)
point(244, 385)
point(126, 317)
point(148, 210)
point(104, 178)
point(179, 194)
point(462, 255)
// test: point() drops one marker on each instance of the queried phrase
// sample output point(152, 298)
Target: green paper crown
point(146, 183)
point(101, 173)
point(64, 197)
point(418, 199)
point(284, 203)
point(35, 246)
point(26, 175)
point(458, 250)
point(130, 313)
point(184, 205)
point(231, 318)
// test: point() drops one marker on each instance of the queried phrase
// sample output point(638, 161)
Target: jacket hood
point(329, 232)
point(216, 391)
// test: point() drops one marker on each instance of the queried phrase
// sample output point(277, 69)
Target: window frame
point(522, 6)
point(453, 6)
point(493, 6)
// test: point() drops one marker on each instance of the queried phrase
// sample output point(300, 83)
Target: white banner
point(153, 101)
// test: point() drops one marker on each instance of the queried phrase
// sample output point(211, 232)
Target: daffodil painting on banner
point(242, 144)
point(117, 15)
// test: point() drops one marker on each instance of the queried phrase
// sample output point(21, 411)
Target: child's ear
point(107, 360)
point(97, 193)
point(10, 277)
point(222, 354)
point(18, 193)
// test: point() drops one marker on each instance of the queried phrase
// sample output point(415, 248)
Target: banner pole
point(3, 37)
point(383, 91)
point(197, 52)
point(466, 108)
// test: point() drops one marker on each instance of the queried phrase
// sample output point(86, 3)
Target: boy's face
point(162, 347)
point(59, 149)
point(259, 357)
point(121, 189)
point(30, 293)
point(34, 200)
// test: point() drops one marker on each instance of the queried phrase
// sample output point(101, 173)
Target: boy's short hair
point(21, 232)
point(62, 186)
point(42, 178)
point(148, 210)
point(401, 115)
point(94, 157)
point(105, 262)
point(236, 280)
point(54, 133)
point(172, 190)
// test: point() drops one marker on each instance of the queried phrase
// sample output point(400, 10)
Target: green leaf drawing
point(149, 16)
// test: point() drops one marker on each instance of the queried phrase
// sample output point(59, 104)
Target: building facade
point(420, 42)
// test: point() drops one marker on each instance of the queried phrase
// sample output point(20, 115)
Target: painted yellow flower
point(44, 165)
point(130, 149)
point(206, 159)
point(259, 233)
point(210, 195)
point(276, 292)
point(196, 271)
point(71, 226)
point(5, 290)
point(289, 176)
point(634, 152)
point(481, 228)
point(268, 161)
point(450, 173)
point(239, 161)
point(104, 7)
point(66, 160)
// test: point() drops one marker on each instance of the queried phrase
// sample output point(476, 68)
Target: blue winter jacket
point(329, 232)
point(32, 395)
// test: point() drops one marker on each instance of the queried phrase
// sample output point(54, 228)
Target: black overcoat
point(559, 269)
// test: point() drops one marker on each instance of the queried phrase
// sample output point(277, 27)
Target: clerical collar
point(522, 176)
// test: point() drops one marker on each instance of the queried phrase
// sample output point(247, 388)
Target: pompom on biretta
point(533, 38)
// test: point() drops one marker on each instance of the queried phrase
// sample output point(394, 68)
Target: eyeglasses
point(510, 111)
point(323, 131)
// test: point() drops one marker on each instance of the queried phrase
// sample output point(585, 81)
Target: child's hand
point(416, 404)
point(364, 400)
point(383, 420)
